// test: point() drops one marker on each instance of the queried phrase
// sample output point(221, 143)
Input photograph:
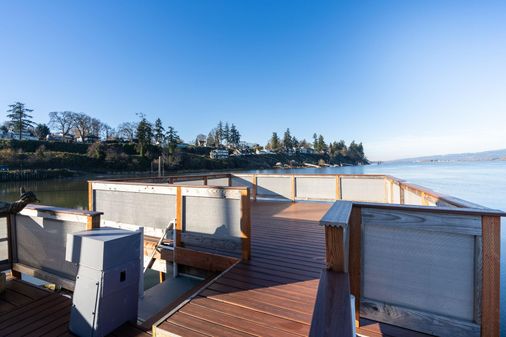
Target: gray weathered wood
point(449, 223)
point(418, 320)
point(332, 310)
point(478, 267)
point(338, 215)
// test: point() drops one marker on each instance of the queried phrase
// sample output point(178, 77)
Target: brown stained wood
point(491, 245)
point(355, 256)
point(175, 330)
point(90, 196)
point(205, 180)
point(231, 321)
point(332, 310)
point(93, 222)
point(334, 239)
point(179, 215)
point(202, 260)
point(246, 224)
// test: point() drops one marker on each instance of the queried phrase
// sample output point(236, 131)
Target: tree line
point(69, 124)
point(289, 144)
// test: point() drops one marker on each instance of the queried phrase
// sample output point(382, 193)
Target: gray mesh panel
point(217, 182)
point(199, 182)
point(315, 187)
point(41, 244)
point(397, 194)
point(4, 253)
point(139, 209)
point(429, 271)
point(363, 189)
point(246, 182)
point(274, 187)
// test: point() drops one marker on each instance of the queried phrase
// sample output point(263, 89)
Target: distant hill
point(475, 156)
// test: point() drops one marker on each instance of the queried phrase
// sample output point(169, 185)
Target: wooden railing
point(319, 187)
point(429, 269)
point(207, 217)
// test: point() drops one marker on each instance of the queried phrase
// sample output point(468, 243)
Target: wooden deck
point(274, 293)
point(26, 310)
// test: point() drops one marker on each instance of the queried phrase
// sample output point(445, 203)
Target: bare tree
point(96, 127)
point(62, 121)
point(127, 130)
point(82, 124)
point(107, 131)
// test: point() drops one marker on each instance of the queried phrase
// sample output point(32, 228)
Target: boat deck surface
point(274, 293)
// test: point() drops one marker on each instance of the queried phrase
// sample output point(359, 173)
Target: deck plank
point(274, 293)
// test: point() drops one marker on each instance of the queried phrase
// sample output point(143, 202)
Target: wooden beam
point(491, 245)
point(90, 196)
point(179, 215)
point(246, 224)
point(334, 243)
point(292, 188)
point(196, 259)
point(332, 310)
point(254, 187)
point(339, 195)
point(229, 180)
point(355, 256)
point(44, 275)
point(93, 222)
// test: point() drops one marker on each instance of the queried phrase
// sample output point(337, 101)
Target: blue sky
point(406, 78)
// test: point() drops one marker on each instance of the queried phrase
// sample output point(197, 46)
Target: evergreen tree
point(287, 140)
point(274, 144)
point(20, 120)
point(226, 133)
point(41, 131)
point(172, 136)
point(144, 135)
point(315, 141)
point(321, 146)
point(235, 136)
point(218, 137)
point(159, 132)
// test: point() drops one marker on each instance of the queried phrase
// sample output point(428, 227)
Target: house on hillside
point(201, 140)
point(219, 154)
point(25, 135)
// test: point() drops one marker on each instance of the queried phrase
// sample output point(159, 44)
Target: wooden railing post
point(334, 242)
point(246, 224)
point(491, 243)
point(401, 194)
point(355, 249)
point(90, 196)
point(292, 188)
point(339, 195)
point(254, 187)
point(179, 215)
point(93, 221)
point(205, 180)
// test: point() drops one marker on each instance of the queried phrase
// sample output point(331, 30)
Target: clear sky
point(407, 78)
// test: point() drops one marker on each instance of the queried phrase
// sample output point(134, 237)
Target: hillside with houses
point(81, 143)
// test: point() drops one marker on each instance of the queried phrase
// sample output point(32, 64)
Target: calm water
point(480, 182)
